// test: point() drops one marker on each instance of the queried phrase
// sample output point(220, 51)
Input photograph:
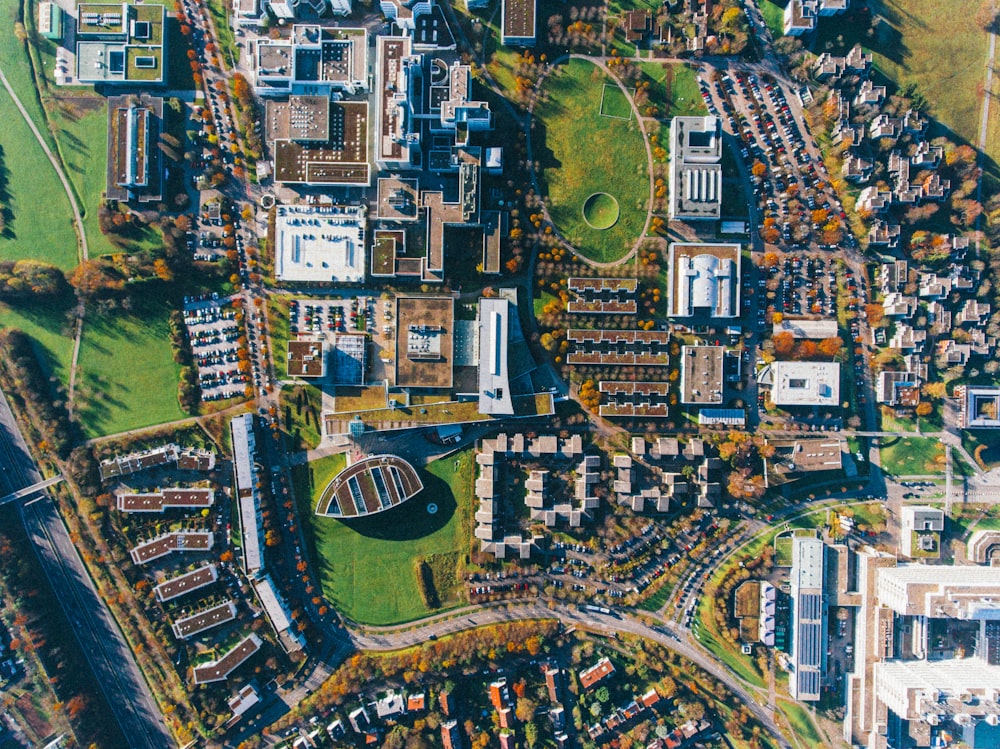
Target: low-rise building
point(695, 179)
point(805, 383)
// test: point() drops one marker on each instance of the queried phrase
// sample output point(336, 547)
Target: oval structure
point(370, 486)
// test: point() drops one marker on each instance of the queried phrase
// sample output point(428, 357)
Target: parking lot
point(214, 335)
point(798, 285)
point(791, 191)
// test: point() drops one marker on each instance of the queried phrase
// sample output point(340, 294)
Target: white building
point(320, 244)
point(248, 493)
point(805, 383)
point(704, 279)
point(494, 333)
point(980, 407)
point(808, 652)
point(695, 168)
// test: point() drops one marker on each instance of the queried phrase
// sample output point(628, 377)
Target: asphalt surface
point(115, 671)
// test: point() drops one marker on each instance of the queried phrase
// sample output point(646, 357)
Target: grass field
point(674, 89)
point(128, 378)
point(800, 722)
point(367, 566)
point(912, 456)
point(582, 153)
point(301, 407)
point(774, 17)
point(911, 42)
point(614, 103)
point(49, 328)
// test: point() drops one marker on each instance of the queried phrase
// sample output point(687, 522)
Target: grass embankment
point(582, 153)
point(368, 567)
point(302, 407)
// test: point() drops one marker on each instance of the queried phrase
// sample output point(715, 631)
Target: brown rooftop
point(702, 374)
point(424, 341)
point(340, 159)
point(398, 199)
point(168, 498)
point(186, 583)
point(305, 358)
point(219, 669)
point(189, 626)
point(519, 18)
point(171, 542)
point(370, 486)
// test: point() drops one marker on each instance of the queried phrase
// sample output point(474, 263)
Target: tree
point(924, 408)
point(935, 390)
point(831, 347)
point(784, 343)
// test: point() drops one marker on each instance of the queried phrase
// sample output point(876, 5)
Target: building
point(603, 296)
point(369, 486)
point(121, 44)
point(220, 668)
point(808, 653)
point(518, 21)
point(180, 585)
point(451, 735)
point(349, 359)
point(805, 383)
point(316, 244)
point(248, 493)
point(306, 359)
point(168, 543)
point(194, 624)
point(618, 347)
point(135, 165)
point(50, 21)
point(800, 15)
point(243, 701)
point(899, 389)
point(318, 141)
point(920, 531)
point(184, 458)
point(702, 377)
point(424, 342)
point(806, 455)
point(167, 499)
point(494, 379)
point(279, 615)
point(802, 328)
point(597, 673)
point(980, 406)
point(315, 60)
point(635, 399)
point(927, 661)
point(695, 168)
point(411, 126)
point(704, 279)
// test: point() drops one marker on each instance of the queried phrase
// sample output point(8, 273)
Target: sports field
point(583, 153)
point(367, 566)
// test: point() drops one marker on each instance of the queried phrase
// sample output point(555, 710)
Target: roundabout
point(601, 211)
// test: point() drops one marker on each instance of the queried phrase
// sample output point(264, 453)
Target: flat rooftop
point(623, 347)
point(806, 383)
point(340, 159)
point(166, 499)
point(301, 118)
point(603, 296)
point(702, 374)
point(195, 624)
point(424, 341)
point(306, 358)
point(320, 245)
point(635, 399)
point(398, 199)
point(519, 19)
point(392, 51)
point(494, 378)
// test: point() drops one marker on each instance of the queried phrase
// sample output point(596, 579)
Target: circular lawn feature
point(601, 211)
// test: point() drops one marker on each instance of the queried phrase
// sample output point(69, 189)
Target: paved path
point(987, 92)
point(81, 235)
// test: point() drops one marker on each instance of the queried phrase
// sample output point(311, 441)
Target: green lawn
point(280, 324)
point(615, 103)
point(800, 722)
point(28, 182)
point(302, 407)
point(367, 566)
point(128, 375)
point(582, 153)
point(674, 89)
point(911, 456)
point(774, 17)
point(48, 327)
point(909, 48)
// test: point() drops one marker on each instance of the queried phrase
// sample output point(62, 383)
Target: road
point(115, 670)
